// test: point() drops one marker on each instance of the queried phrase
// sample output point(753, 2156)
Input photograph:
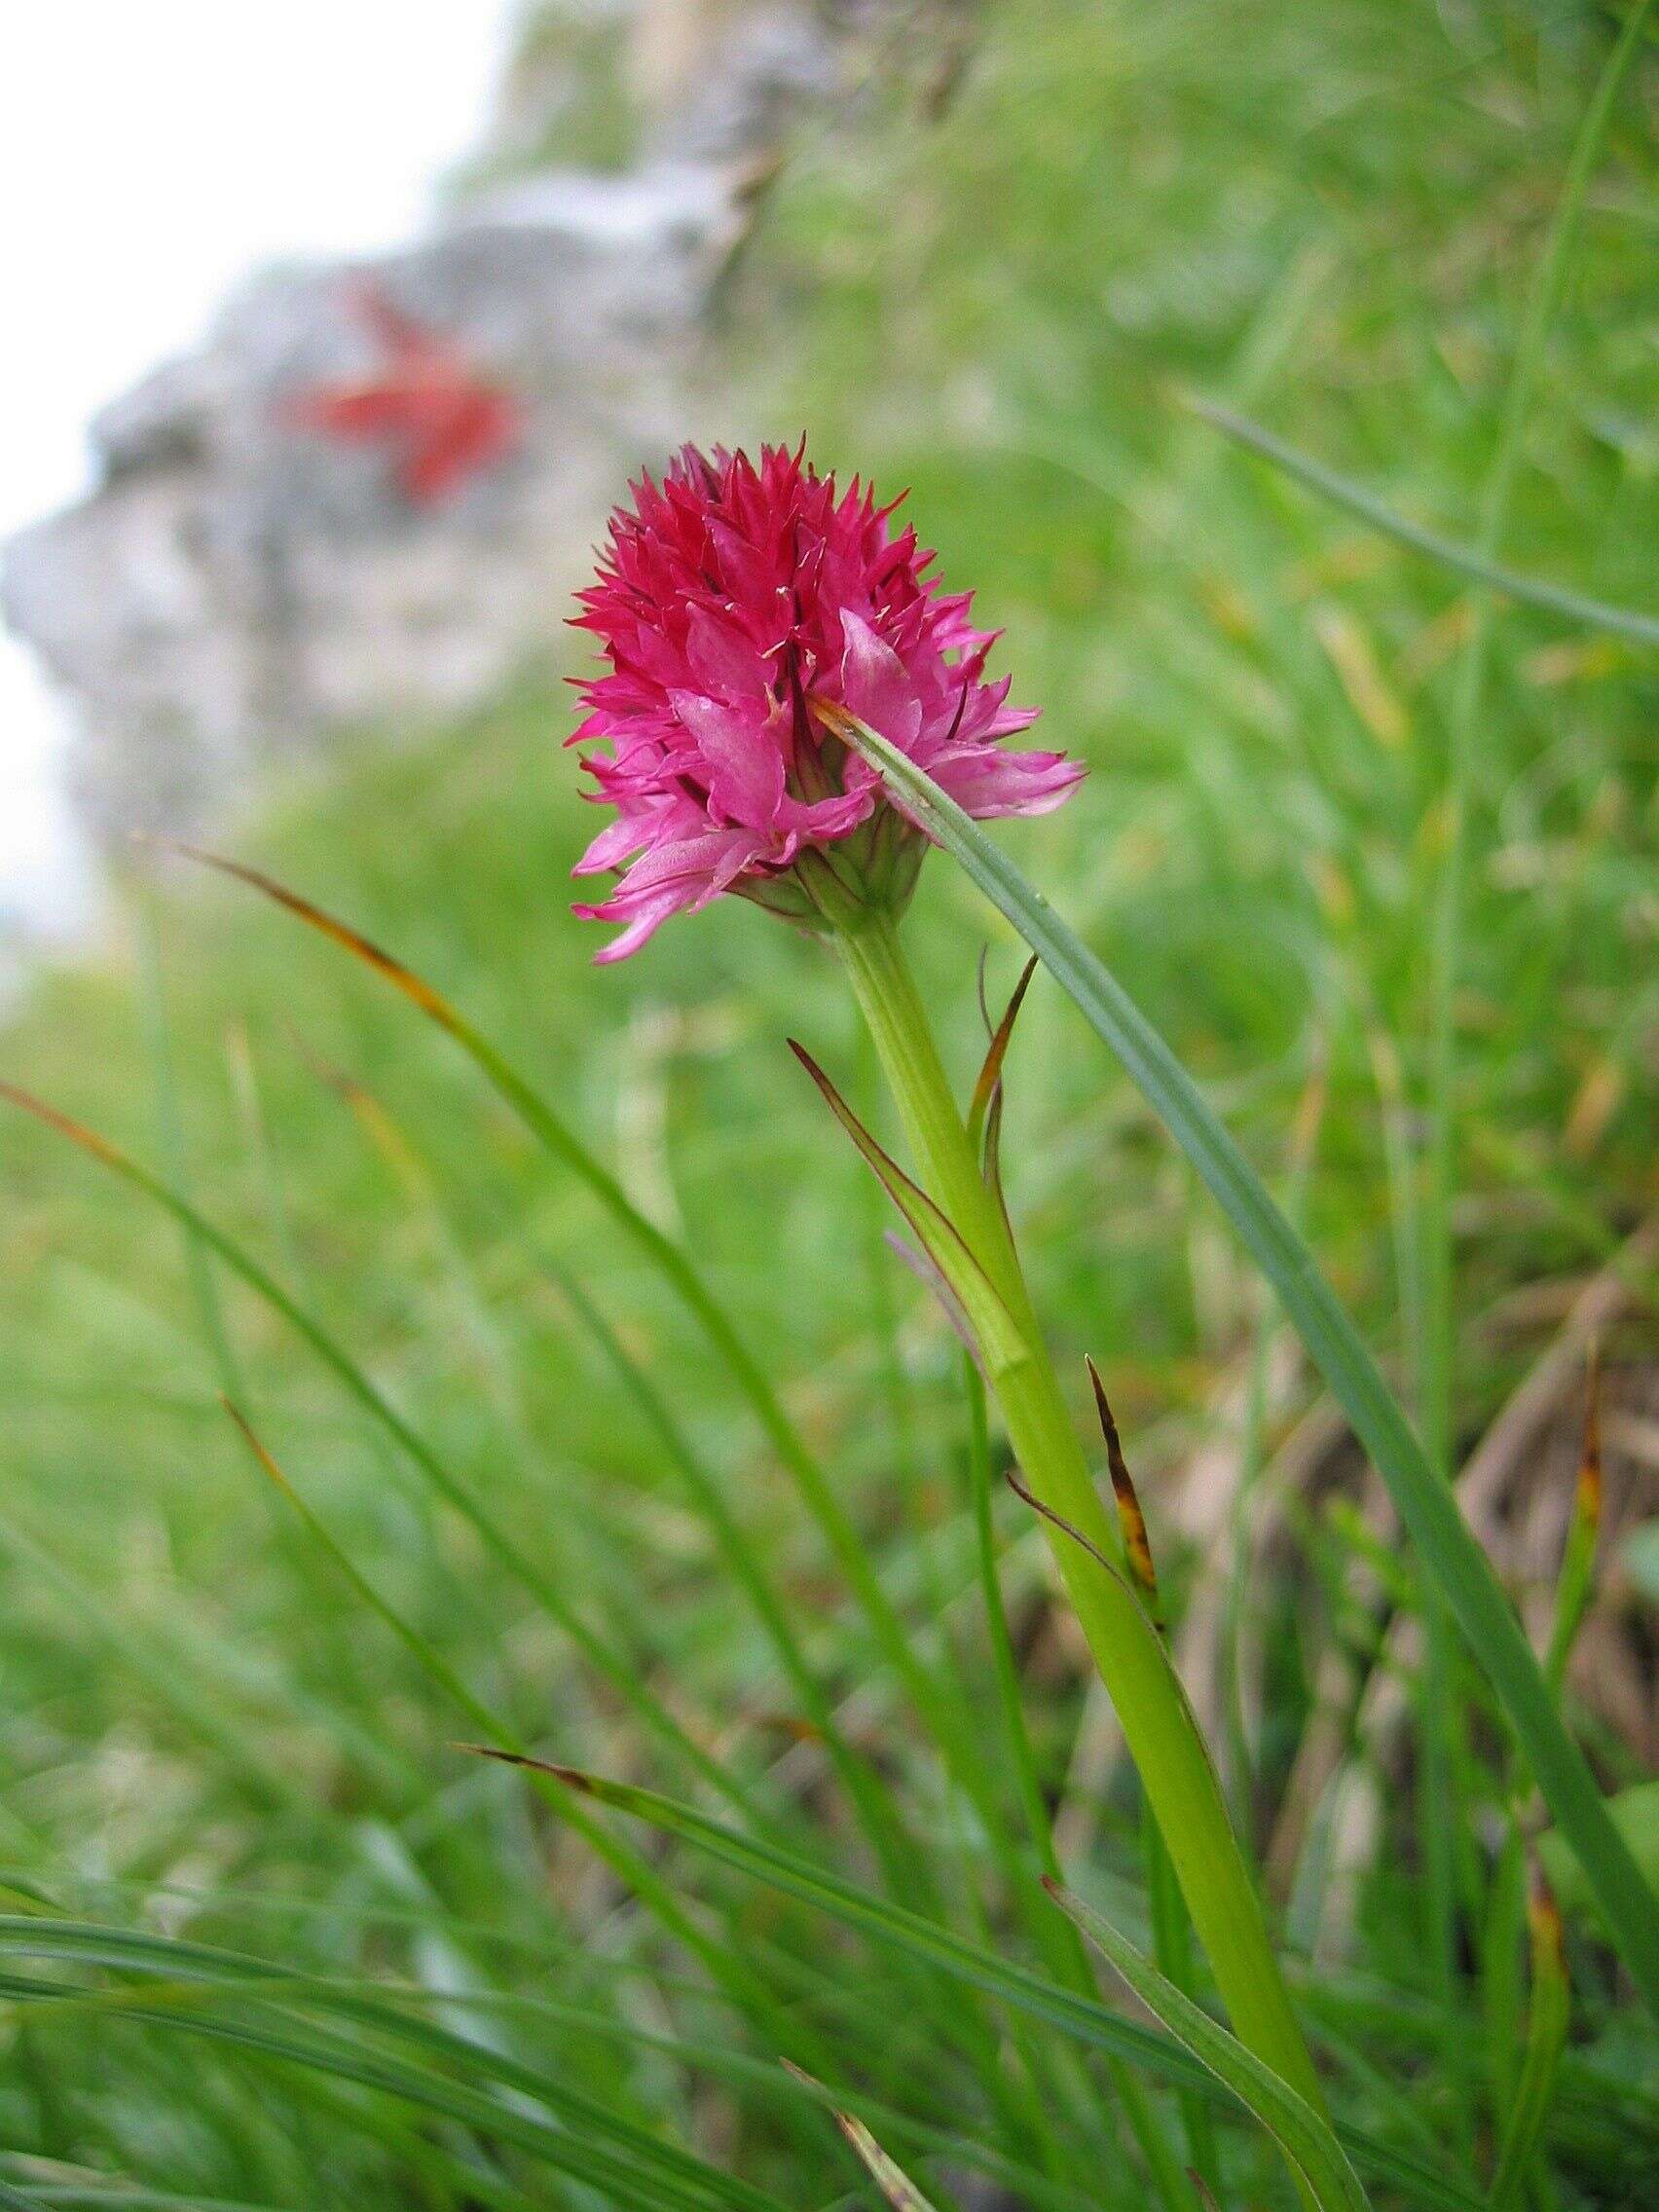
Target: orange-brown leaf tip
point(571, 1777)
point(251, 1440)
point(1131, 1519)
point(1544, 1918)
point(990, 1073)
point(402, 978)
point(77, 1133)
point(1588, 1501)
point(795, 1725)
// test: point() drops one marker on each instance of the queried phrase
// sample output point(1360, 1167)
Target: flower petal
point(874, 685)
point(742, 754)
point(724, 660)
point(988, 783)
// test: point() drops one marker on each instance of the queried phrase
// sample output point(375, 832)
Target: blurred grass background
point(997, 295)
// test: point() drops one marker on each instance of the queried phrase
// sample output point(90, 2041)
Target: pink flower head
point(739, 606)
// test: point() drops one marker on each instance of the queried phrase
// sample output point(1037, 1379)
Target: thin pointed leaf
point(1028, 1496)
point(1426, 1503)
point(1465, 560)
point(1636, 1812)
point(992, 1159)
point(419, 1646)
point(628, 1864)
point(561, 1141)
point(745, 1563)
point(432, 2066)
point(990, 1073)
point(1576, 1582)
point(1546, 2040)
point(992, 1323)
point(415, 988)
point(899, 2190)
point(1304, 2137)
point(1137, 1545)
point(1086, 2018)
point(615, 1668)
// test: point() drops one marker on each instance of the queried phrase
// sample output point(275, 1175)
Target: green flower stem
point(1158, 1723)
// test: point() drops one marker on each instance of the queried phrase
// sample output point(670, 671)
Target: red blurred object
point(443, 420)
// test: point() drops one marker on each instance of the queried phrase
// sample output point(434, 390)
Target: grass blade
point(1304, 2137)
point(1546, 2040)
point(1442, 1813)
point(899, 2190)
point(1465, 560)
point(431, 2066)
point(747, 1569)
point(993, 1326)
point(1450, 1553)
point(614, 1666)
point(563, 1144)
point(1083, 2018)
point(644, 1879)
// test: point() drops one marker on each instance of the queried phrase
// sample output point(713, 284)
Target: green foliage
point(223, 1763)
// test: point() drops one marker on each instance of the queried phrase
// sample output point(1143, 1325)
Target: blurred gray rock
point(734, 96)
point(237, 587)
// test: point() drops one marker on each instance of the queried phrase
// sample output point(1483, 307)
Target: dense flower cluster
point(739, 606)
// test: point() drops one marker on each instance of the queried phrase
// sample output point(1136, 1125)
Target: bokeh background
point(988, 253)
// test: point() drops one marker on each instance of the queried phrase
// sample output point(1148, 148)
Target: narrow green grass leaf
point(1546, 2040)
point(747, 1565)
point(1575, 1583)
point(1465, 560)
point(1441, 1790)
point(113, 2197)
point(629, 1865)
point(170, 1136)
point(589, 2138)
point(562, 1143)
point(421, 1648)
point(991, 1321)
point(1636, 1815)
point(744, 1988)
point(156, 1663)
point(872, 1915)
point(1305, 2138)
point(616, 1669)
point(1459, 1567)
point(1084, 2017)
point(899, 2190)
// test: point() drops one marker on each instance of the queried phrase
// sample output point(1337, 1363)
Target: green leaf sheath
point(1162, 1735)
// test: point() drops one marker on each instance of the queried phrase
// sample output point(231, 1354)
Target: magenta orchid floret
point(742, 608)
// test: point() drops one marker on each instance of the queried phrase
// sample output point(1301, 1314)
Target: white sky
point(149, 154)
